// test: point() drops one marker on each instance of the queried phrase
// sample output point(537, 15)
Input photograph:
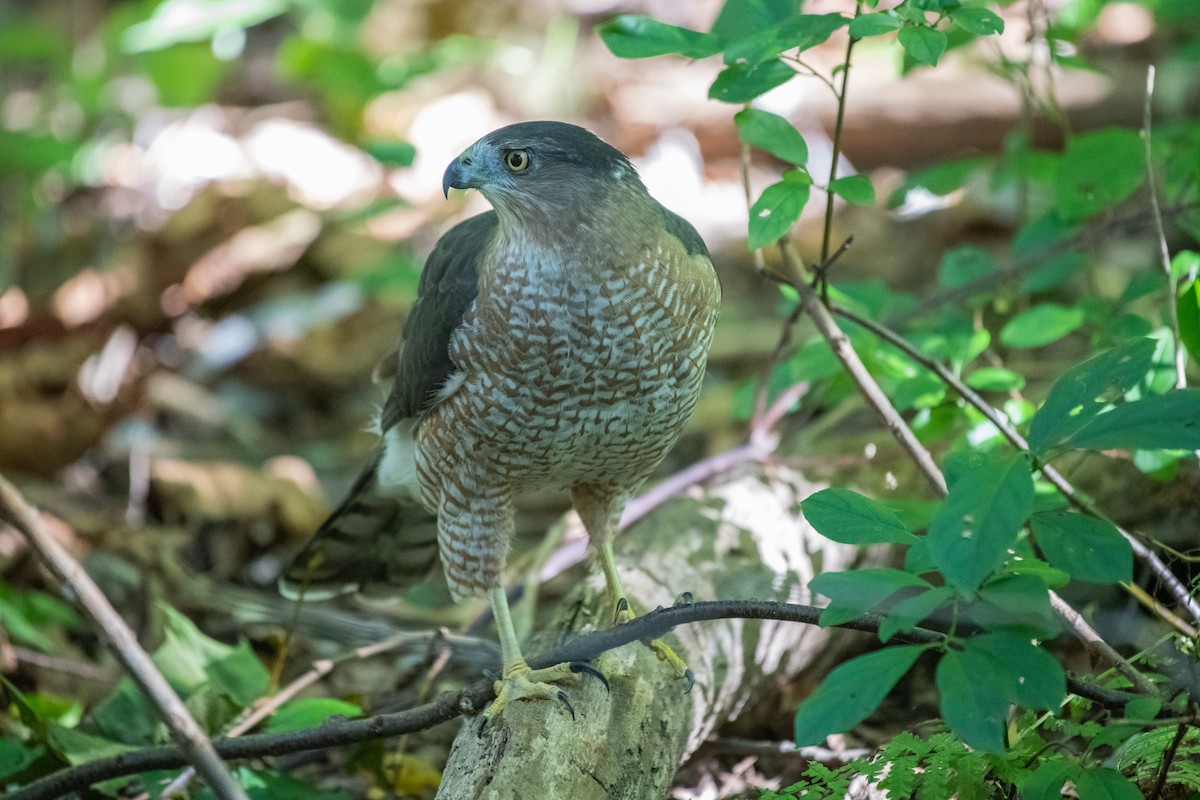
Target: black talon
point(566, 701)
point(483, 721)
point(622, 606)
point(690, 677)
point(583, 666)
point(684, 599)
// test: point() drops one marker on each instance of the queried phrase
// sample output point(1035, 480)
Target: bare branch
point(1073, 495)
point(477, 695)
point(186, 732)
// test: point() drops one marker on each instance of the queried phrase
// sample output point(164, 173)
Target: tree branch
point(187, 733)
point(1073, 496)
point(477, 695)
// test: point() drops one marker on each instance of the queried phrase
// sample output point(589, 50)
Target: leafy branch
point(468, 700)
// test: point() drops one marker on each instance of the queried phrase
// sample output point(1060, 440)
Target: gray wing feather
point(448, 286)
point(682, 230)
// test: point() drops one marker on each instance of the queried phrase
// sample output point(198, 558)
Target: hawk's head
point(543, 169)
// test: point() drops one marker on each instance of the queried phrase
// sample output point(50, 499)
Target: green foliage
point(34, 618)
point(846, 516)
point(216, 681)
point(852, 691)
point(990, 498)
point(989, 553)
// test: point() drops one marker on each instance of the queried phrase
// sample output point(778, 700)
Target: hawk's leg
point(519, 681)
point(601, 512)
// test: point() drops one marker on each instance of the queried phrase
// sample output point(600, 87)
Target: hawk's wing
point(382, 535)
point(447, 289)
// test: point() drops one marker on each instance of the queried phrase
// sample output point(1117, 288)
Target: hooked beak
point(458, 175)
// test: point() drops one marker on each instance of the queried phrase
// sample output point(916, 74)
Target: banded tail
point(381, 534)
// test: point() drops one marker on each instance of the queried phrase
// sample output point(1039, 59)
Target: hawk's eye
point(517, 160)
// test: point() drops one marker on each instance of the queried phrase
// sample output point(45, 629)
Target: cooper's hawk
point(559, 340)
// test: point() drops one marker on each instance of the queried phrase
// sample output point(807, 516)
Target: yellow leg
point(622, 613)
point(519, 681)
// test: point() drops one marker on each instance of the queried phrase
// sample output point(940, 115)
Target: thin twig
point(477, 695)
point(80, 669)
point(1163, 251)
point(1073, 495)
point(838, 124)
point(845, 353)
point(879, 403)
point(190, 737)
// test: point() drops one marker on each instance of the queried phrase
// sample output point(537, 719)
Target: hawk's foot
point(522, 683)
point(622, 614)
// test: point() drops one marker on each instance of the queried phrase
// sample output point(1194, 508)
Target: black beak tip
point(452, 178)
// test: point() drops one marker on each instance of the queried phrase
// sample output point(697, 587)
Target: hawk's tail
point(377, 536)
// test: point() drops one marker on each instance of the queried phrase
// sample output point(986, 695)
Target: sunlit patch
point(85, 296)
point(14, 308)
point(320, 171)
point(101, 376)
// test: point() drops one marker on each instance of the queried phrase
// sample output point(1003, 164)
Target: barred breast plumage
point(566, 375)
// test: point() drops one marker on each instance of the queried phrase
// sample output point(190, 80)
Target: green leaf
point(1089, 549)
point(848, 517)
point(741, 18)
point(875, 24)
point(772, 133)
point(309, 713)
point(964, 265)
point(923, 44)
point(1041, 325)
point(809, 30)
point(1143, 709)
point(1185, 264)
point(851, 692)
point(630, 36)
point(1033, 678)
point(1097, 171)
point(1047, 781)
point(1168, 421)
point(1052, 272)
point(979, 21)
point(799, 32)
point(1018, 597)
point(856, 592)
point(16, 756)
point(1096, 783)
point(971, 705)
point(995, 379)
point(125, 715)
point(909, 612)
point(240, 676)
point(989, 500)
point(185, 652)
point(1086, 389)
point(778, 208)
point(741, 83)
point(1188, 308)
point(856, 189)
point(391, 153)
point(76, 747)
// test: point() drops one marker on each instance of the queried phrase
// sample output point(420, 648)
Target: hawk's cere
point(558, 340)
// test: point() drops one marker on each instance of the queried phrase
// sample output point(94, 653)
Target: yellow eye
point(517, 160)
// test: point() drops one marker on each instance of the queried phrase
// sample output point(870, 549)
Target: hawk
point(557, 340)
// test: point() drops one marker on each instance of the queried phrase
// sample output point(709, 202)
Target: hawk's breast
point(570, 374)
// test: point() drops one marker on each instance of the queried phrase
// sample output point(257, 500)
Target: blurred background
point(213, 216)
